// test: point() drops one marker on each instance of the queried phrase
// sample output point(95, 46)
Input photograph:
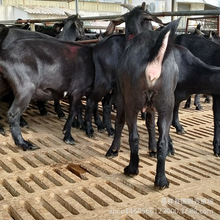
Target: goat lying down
point(43, 69)
point(148, 74)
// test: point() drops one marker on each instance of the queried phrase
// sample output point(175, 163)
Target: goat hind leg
point(107, 109)
point(188, 103)
point(14, 113)
point(58, 109)
point(98, 121)
point(132, 168)
point(119, 124)
point(150, 124)
point(41, 107)
point(164, 119)
point(197, 102)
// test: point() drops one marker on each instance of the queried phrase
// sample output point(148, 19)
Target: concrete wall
point(10, 13)
point(97, 8)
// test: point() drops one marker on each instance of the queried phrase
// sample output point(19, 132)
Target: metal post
point(218, 26)
point(77, 7)
point(32, 25)
point(173, 8)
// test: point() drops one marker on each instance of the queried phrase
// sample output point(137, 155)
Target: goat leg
point(216, 111)
point(188, 102)
point(119, 124)
point(98, 122)
point(58, 109)
point(150, 124)
point(176, 122)
point(162, 148)
point(132, 168)
point(14, 113)
point(197, 102)
point(107, 109)
point(41, 107)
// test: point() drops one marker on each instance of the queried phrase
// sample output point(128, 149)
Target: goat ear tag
point(153, 69)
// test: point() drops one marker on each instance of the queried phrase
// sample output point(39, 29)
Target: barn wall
point(83, 6)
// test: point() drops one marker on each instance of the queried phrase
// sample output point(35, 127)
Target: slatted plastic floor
point(59, 181)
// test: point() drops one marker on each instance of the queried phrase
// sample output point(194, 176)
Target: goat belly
point(47, 95)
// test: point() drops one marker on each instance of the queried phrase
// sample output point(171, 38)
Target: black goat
point(72, 30)
point(44, 69)
point(136, 21)
point(197, 96)
point(209, 53)
point(146, 81)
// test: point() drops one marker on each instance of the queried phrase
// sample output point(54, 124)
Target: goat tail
point(3, 34)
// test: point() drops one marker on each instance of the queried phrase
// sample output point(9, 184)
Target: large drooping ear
point(113, 23)
point(154, 67)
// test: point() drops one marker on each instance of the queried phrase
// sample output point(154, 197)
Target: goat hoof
point(2, 131)
point(130, 171)
point(101, 129)
point(89, 131)
point(90, 134)
point(111, 154)
point(23, 123)
point(111, 132)
point(43, 111)
point(28, 146)
point(207, 101)
point(199, 108)
point(181, 132)
point(153, 154)
point(171, 153)
point(34, 147)
point(69, 140)
point(61, 115)
point(82, 127)
point(161, 184)
point(217, 155)
point(187, 106)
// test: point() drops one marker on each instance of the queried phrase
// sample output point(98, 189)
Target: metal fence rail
point(110, 17)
